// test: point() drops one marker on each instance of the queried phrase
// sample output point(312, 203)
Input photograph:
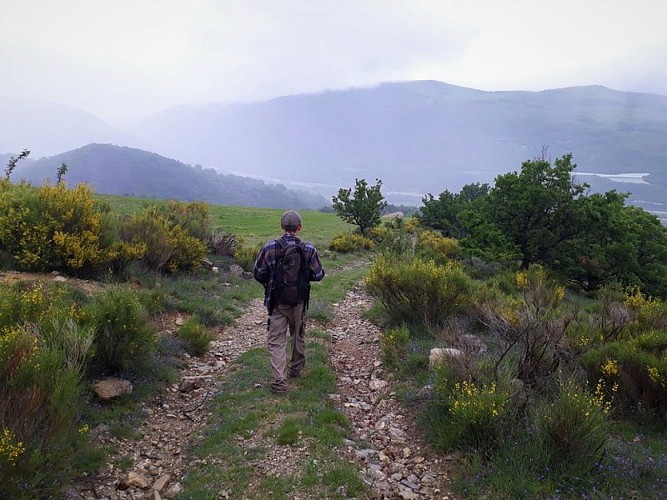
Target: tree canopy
point(541, 215)
point(363, 207)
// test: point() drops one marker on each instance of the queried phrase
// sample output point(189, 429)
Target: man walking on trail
point(286, 267)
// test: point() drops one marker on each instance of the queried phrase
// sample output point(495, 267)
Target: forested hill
point(127, 171)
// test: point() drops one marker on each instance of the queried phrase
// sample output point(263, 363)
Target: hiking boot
point(279, 390)
point(294, 374)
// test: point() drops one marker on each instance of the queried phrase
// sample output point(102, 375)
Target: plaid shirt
point(268, 255)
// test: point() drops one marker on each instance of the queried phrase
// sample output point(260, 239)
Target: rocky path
point(159, 459)
point(393, 460)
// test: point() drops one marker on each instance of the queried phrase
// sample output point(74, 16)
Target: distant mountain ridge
point(48, 128)
point(126, 171)
point(420, 136)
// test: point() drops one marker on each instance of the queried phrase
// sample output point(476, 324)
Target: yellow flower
point(610, 368)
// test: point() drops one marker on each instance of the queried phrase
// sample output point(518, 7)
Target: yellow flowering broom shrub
point(412, 289)
point(430, 245)
point(169, 246)
point(54, 227)
point(39, 398)
point(637, 367)
point(574, 425)
point(470, 414)
point(124, 339)
point(350, 242)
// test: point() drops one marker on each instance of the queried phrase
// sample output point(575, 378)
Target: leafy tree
point(443, 213)
point(615, 243)
point(363, 207)
point(537, 208)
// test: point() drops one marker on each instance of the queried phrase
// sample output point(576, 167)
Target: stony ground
point(393, 460)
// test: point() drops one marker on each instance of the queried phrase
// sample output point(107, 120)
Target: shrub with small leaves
point(245, 255)
point(350, 242)
point(393, 343)
point(472, 415)
point(123, 337)
point(574, 424)
point(39, 400)
point(635, 368)
point(432, 246)
point(168, 245)
point(196, 337)
point(414, 290)
point(52, 227)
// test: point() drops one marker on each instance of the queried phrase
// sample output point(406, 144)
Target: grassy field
point(255, 225)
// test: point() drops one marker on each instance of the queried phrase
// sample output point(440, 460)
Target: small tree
point(11, 165)
point(362, 208)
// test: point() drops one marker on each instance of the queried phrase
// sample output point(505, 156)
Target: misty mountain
point(126, 171)
point(422, 136)
point(47, 128)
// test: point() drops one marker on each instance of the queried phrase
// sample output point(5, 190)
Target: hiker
point(286, 267)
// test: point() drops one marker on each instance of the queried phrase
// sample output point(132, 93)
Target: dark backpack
point(291, 278)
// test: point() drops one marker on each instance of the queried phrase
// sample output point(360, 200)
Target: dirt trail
point(385, 443)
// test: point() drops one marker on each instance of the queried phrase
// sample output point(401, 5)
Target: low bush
point(197, 339)
point(573, 425)
point(635, 368)
point(245, 255)
point(350, 242)
point(437, 248)
point(168, 245)
point(52, 227)
point(648, 313)
point(468, 415)
point(39, 398)
point(532, 328)
point(123, 337)
point(411, 289)
point(393, 343)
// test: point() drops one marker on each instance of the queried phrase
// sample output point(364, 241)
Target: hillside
point(443, 135)
point(126, 171)
point(48, 128)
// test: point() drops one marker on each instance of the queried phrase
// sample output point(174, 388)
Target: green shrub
point(196, 337)
point(468, 414)
point(638, 372)
point(574, 425)
point(350, 242)
point(168, 245)
point(393, 343)
point(648, 313)
point(194, 217)
point(245, 255)
point(532, 328)
point(413, 290)
point(123, 337)
point(39, 400)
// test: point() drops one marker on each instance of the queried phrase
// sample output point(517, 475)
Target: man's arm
point(315, 265)
point(260, 270)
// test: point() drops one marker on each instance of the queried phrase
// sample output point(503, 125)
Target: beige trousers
point(283, 317)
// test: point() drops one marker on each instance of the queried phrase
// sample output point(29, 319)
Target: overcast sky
point(123, 58)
